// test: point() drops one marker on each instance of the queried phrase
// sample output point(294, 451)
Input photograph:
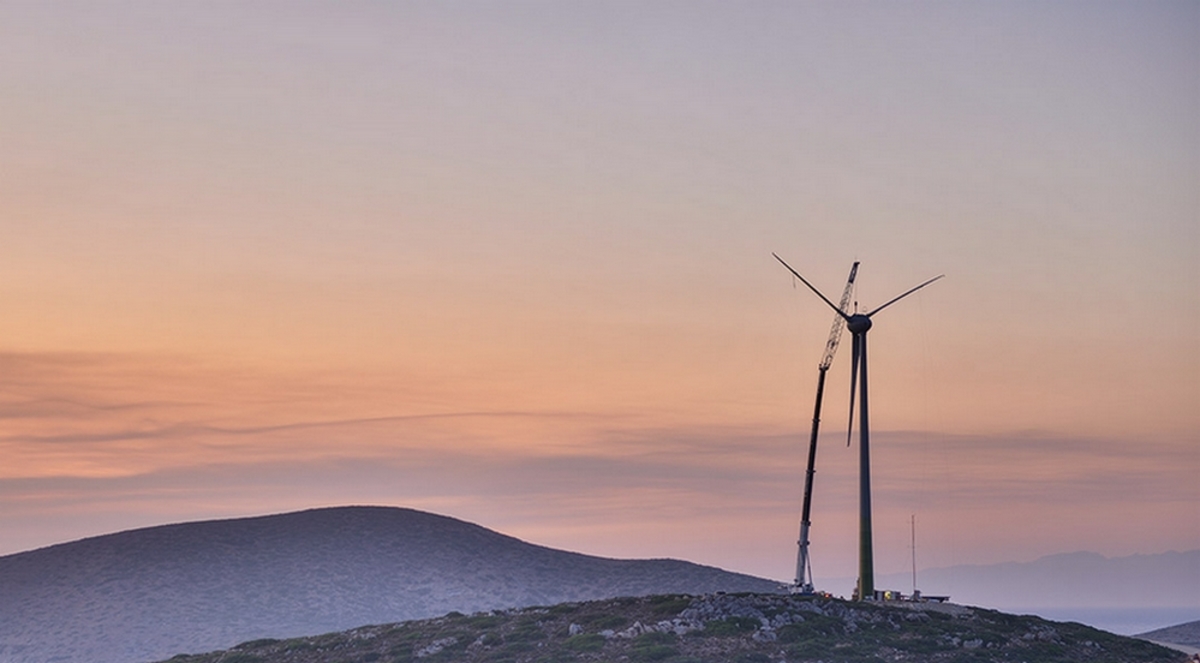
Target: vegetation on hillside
point(717, 628)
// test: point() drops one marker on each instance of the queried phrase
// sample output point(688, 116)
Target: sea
point(1122, 621)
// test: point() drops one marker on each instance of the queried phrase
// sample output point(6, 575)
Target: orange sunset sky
point(511, 262)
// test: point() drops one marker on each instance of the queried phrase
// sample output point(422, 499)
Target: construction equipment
point(804, 581)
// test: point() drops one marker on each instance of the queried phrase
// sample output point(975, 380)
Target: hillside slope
point(149, 593)
point(748, 628)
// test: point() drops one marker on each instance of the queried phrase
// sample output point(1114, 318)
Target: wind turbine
point(859, 324)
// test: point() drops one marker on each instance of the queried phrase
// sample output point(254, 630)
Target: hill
point(1187, 635)
point(150, 593)
point(748, 628)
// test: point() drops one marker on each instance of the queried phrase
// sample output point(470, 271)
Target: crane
point(804, 583)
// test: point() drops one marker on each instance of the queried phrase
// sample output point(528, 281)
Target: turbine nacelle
point(858, 323)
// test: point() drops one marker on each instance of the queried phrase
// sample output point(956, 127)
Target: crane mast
point(839, 323)
point(804, 583)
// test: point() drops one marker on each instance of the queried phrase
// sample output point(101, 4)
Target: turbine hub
point(858, 324)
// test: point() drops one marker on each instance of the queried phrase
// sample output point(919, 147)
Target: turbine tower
point(859, 324)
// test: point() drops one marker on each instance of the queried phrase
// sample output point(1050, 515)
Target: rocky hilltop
point(150, 593)
point(715, 628)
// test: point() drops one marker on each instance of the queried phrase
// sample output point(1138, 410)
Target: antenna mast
point(913, 521)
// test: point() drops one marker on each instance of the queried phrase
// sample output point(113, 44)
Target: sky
point(511, 263)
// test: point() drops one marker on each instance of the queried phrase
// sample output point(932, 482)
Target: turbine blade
point(854, 357)
point(813, 288)
point(902, 296)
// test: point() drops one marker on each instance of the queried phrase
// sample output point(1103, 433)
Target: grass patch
point(647, 639)
point(653, 647)
point(525, 633)
point(653, 653)
point(729, 627)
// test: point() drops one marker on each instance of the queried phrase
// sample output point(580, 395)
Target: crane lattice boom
point(839, 322)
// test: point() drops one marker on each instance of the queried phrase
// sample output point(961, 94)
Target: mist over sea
point(1122, 621)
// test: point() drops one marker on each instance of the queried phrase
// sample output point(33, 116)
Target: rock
point(435, 647)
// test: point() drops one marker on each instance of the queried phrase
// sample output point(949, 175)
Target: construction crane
point(804, 581)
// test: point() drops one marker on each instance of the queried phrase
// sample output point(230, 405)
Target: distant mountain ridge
point(1181, 634)
point(1067, 579)
point(155, 592)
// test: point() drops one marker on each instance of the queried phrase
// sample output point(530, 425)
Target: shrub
point(671, 606)
point(793, 633)
point(602, 622)
point(563, 609)
point(483, 621)
point(255, 644)
point(653, 647)
point(585, 642)
point(298, 644)
point(518, 647)
point(239, 657)
point(526, 633)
